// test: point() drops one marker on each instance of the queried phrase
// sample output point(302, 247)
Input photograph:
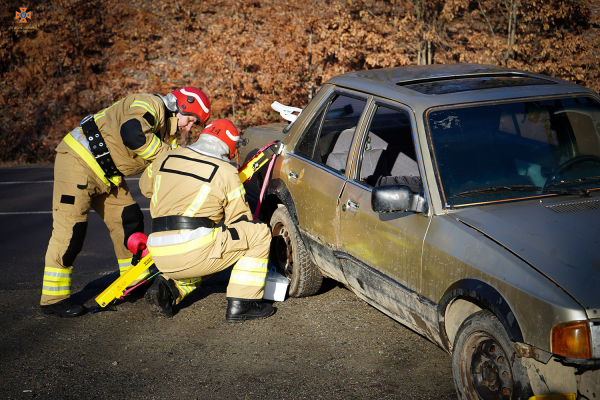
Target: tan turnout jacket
point(136, 129)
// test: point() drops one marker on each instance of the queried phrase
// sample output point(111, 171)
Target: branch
point(486, 18)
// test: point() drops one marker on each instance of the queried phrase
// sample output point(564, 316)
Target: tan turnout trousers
point(76, 190)
point(183, 182)
point(136, 129)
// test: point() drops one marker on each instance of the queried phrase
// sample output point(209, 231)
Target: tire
point(484, 363)
point(291, 258)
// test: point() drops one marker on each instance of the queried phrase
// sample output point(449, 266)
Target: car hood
point(559, 236)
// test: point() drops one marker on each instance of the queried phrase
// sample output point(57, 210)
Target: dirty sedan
point(461, 200)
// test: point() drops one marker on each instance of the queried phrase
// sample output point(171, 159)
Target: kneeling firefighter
point(192, 189)
point(121, 140)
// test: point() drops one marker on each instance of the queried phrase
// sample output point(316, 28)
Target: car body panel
point(562, 246)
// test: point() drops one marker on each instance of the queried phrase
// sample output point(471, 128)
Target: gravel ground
point(331, 346)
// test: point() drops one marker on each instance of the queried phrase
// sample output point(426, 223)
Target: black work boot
point(243, 309)
point(64, 308)
point(162, 295)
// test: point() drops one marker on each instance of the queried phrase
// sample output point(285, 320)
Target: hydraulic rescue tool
point(136, 243)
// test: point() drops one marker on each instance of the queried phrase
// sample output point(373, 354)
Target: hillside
point(73, 58)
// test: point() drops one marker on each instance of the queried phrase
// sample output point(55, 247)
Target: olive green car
point(461, 200)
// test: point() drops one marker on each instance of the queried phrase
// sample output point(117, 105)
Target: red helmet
point(192, 101)
point(227, 132)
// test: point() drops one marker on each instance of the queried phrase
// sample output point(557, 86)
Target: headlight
point(572, 339)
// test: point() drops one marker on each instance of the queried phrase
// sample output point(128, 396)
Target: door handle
point(293, 177)
point(351, 206)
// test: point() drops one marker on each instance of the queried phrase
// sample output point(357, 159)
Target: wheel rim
point(283, 249)
point(486, 369)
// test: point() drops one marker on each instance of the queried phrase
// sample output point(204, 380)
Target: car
point(461, 200)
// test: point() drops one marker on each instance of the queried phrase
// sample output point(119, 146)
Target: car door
point(381, 253)
point(316, 170)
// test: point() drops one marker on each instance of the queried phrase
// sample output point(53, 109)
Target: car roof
point(426, 86)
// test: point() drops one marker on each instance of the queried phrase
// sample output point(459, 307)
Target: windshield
point(516, 150)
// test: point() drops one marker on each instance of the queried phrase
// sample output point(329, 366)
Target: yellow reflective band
point(151, 149)
point(90, 160)
point(62, 272)
point(149, 171)
point(252, 264)
point(198, 201)
point(174, 249)
point(103, 112)
point(236, 193)
point(148, 108)
point(56, 279)
point(250, 273)
point(246, 281)
point(52, 292)
point(156, 186)
point(174, 144)
point(125, 262)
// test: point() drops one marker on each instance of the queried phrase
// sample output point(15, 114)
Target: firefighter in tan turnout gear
point(192, 190)
point(121, 140)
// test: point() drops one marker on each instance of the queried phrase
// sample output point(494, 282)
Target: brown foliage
point(81, 56)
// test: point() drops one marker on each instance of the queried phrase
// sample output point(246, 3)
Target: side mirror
point(389, 199)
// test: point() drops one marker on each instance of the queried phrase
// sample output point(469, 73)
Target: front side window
point(329, 135)
point(388, 154)
point(516, 150)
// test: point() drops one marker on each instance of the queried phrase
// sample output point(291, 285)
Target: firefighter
point(91, 161)
point(192, 190)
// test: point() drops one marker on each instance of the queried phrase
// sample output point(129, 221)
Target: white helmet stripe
point(194, 95)
point(234, 138)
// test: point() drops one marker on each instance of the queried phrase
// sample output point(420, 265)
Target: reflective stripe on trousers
point(250, 271)
point(57, 281)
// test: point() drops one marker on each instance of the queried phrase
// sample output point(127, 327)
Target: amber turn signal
point(572, 339)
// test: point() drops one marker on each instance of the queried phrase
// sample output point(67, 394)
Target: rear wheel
point(291, 257)
point(484, 363)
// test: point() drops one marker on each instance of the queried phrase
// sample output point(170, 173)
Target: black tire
point(291, 258)
point(484, 363)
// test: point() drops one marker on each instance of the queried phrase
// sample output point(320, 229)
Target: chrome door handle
point(293, 177)
point(351, 206)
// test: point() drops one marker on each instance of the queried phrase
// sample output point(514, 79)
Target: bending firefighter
point(121, 140)
point(192, 189)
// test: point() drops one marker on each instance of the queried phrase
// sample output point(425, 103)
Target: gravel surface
point(331, 346)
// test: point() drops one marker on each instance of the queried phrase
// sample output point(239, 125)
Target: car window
point(388, 154)
point(328, 138)
point(516, 150)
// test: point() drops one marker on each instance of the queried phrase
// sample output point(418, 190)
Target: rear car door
point(381, 253)
point(316, 171)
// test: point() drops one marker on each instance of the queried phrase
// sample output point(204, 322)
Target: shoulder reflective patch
point(191, 164)
point(132, 134)
point(146, 107)
point(149, 118)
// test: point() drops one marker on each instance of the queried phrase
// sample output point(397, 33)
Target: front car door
point(381, 253)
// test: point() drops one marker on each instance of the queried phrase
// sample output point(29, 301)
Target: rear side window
point(328, 138)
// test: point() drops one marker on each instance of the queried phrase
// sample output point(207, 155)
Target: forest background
point(75, 57)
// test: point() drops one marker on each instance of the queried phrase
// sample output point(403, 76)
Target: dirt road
point(330, 346)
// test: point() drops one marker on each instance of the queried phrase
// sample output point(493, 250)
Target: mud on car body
point(461, 200)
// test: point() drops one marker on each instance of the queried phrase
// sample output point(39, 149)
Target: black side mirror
point(388, 199)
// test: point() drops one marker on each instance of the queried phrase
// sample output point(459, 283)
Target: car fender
point(486, 297)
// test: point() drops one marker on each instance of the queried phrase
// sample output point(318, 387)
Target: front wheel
point(291, 257)
point(484, 363)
